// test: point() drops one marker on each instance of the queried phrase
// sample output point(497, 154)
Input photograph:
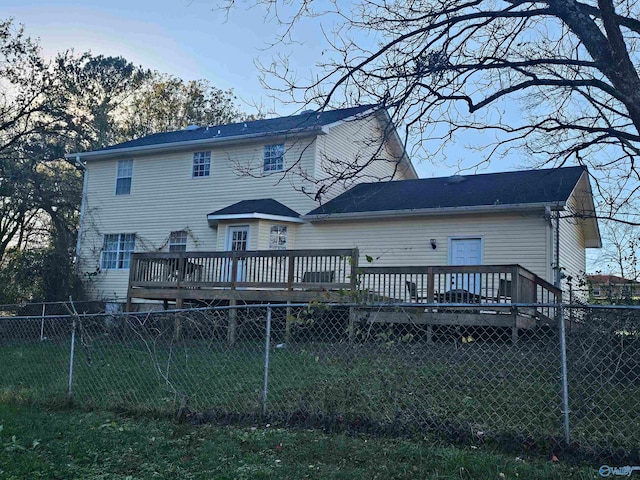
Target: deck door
point(238, 241)
point(465, 251)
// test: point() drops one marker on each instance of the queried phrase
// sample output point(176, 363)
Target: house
point(268, 185)
point(612, 289)
point(237, 186)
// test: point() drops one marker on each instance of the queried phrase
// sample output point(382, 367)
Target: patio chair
point(412, 289)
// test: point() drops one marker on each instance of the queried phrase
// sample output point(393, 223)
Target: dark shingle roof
point(267, 206)
point(271, 126)
point(510, 188)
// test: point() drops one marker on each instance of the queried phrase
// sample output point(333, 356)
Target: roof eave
point(172, 146)
point(215, 219)
point(434, 212)
point(595, 241)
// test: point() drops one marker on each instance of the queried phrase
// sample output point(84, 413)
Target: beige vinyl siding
point(572, 245)
point(506, 239)
point(356, 142)
point(164, 197)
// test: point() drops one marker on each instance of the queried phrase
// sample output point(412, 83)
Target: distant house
point(612, 289)
point(255, 186)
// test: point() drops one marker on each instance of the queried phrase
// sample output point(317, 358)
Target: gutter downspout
point(558, 277)
point(76, 267)
point(548, 216)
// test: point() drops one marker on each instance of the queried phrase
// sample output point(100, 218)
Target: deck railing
point(269, 269)
point(337, 269)
point(468, 284)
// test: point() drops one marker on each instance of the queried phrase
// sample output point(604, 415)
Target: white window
point(178, 241)
point(596, 291)
point(116, 251)
point(278, 237)
point(201, 164)
point(274, 158)
point(123, 177)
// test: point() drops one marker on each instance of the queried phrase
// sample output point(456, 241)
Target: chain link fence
point(48, 309)
point(347, 368)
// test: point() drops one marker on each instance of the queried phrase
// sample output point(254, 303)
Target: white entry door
point(238, 241)
point(465, 251)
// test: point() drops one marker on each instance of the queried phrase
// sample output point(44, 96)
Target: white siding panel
point(506, 239)
point(572, 244)
point(356, 143)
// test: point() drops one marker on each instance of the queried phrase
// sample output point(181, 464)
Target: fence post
point(44, 311)
point(565, 384)
point(267, 344)
point(72, 354)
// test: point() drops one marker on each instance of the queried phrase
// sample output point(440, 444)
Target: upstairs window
point(116, 251)
point(274, 158)
point(201, 164)
point(123, 177)
point(278, 237)
point(178, 241)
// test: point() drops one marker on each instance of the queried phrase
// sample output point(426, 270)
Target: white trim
point(214, 219)
point(465, 237)
point(286, 236)
point(115, 186)
point(171, 146)
point(193, 159)
point(574, 193)
point(229, 229)
point(421, 212)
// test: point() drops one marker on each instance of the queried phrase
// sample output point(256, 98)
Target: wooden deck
point(252, 276)
point(473, 295)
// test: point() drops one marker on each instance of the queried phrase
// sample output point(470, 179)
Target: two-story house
point(271, 185)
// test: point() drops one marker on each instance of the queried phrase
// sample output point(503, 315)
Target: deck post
point(514, 329)
point(355, 256)
point(233, 322)
point(178, 321)
point(287, 322)
point(429, 334)
point(181, 270)
point(515, 285)
point(133, 268)
point(233, 312)
point(290, 275)
point(430, 289)
point(352, 324)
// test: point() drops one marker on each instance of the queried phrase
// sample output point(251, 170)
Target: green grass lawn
point(459, 393)
point(67, 444)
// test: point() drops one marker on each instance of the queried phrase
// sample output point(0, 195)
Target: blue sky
point(188, 39)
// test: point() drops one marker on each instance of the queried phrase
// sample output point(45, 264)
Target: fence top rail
point(326, 252)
